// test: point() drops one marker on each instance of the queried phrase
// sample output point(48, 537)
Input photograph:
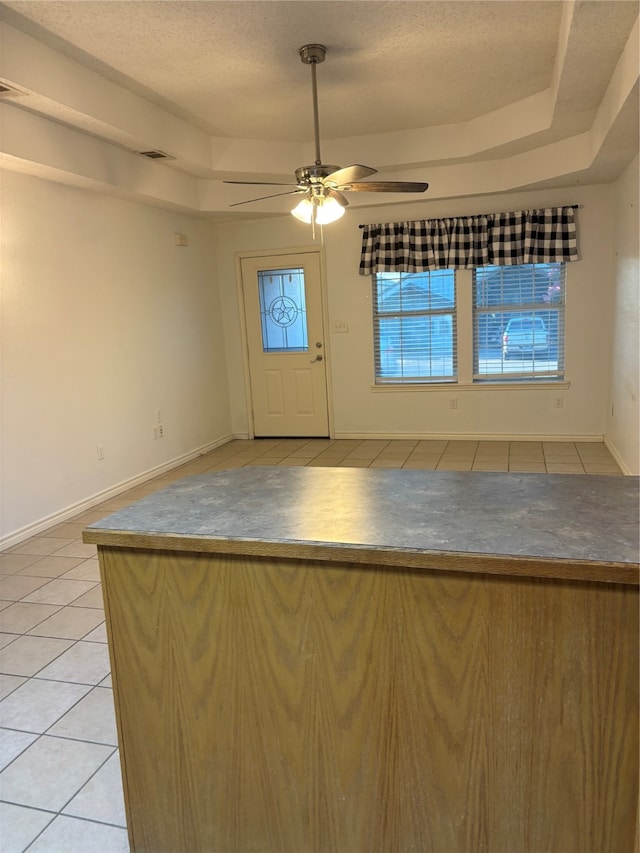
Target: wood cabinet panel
point(273, 705)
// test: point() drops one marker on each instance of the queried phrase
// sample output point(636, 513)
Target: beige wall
point(104, 321)
point(623, 421)
point(361, 410)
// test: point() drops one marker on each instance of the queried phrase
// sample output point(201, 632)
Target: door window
point(283, 311)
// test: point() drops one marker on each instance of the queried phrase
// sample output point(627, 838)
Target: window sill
point(530, 385)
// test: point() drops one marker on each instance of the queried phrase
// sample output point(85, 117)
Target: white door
point(285, 335)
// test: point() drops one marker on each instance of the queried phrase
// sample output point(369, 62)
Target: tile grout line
point(84, 785)
point(55, 815)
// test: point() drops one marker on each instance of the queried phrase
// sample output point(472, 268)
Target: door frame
point(244, 338)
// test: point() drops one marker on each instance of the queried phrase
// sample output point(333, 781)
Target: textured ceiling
point(232, 70)
point(233, 67)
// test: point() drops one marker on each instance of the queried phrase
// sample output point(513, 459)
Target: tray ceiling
point(418, 87)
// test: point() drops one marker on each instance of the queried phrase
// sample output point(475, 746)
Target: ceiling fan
point(323, 186)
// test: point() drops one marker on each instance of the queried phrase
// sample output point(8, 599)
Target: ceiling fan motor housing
point(314, 174)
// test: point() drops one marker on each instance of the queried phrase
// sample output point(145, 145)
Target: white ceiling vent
point(156, 155)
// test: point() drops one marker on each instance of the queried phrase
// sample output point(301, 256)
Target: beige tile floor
point(60, 786)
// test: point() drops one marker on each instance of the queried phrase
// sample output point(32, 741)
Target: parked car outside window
point(525, 335)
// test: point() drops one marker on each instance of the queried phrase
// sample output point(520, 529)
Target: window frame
point(464, 342)
point(379, 317)
point(523, 310)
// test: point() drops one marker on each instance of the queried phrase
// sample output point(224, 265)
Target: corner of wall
point(623, 412)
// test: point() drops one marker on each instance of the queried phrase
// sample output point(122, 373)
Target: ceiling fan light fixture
point(303, 211)
point(326, 209)
point(329, 210)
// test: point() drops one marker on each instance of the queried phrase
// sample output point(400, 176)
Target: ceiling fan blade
point(385, 187)
point(341, 199)
point(350, 173)
point(262, 183)
point(262, 198)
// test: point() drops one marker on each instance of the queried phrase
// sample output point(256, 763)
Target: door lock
point(317, 358)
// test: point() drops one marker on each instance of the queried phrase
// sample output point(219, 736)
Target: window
point(414, 317)
point(423, 322)
point(518, 323)
point(283, 313)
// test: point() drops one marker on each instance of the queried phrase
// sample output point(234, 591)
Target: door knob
point(317, 358)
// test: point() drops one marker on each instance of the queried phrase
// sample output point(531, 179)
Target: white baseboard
point(65, 514)
point(448, 436)
point(613, 450)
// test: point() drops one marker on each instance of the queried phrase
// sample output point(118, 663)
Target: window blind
point(414, 327)
point(518, 322)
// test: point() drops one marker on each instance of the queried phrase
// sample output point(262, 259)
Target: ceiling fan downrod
point(312, 54)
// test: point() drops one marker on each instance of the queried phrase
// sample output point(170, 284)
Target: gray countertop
point(584, 519)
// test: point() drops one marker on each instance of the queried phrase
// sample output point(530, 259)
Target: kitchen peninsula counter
point(359, 660)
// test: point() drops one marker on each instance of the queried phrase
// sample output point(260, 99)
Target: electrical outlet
point(453, 402)
point(158, 431)
point(158, 416)
point(558, 402)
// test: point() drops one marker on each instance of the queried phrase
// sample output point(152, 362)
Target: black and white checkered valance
point(463, 242)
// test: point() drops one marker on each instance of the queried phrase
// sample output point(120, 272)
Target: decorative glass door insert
point(283, 311)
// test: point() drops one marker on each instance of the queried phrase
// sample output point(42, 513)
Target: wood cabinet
point(273, 695)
